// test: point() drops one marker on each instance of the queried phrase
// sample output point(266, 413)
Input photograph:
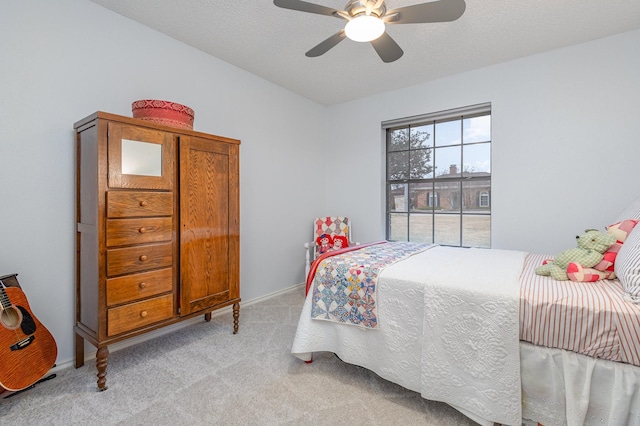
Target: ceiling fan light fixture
point(364, 28)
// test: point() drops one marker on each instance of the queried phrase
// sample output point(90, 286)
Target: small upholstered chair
point(330, 233)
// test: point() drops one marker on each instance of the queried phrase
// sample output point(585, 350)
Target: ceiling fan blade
point(436, 11)
point(387, 48)
point(324, 47)
point(304, 6)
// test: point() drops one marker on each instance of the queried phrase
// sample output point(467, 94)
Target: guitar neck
point(4, 298)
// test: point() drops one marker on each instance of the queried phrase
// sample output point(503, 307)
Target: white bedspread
point(470, 356)
point(402, 349)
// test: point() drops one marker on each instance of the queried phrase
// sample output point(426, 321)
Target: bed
point(479, 330)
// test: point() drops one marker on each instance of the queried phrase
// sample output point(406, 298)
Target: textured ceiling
point(271, 42)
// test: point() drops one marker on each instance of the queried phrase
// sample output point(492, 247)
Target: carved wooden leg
point(207, 316)
point(102, 358)
point(236, 316)
point(79, 351)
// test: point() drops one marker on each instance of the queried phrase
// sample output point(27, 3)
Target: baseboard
point(91, 354)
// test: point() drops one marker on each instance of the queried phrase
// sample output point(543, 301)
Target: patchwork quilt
point(344, 288)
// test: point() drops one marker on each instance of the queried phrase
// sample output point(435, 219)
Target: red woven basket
point(163, 112)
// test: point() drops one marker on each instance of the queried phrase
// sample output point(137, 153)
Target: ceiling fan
point(366, 21)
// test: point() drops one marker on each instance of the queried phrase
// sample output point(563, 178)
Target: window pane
point(448, 161)
point(399, 139)
point(421, 228)
point(398, 197)
point(447, 229)
point(422, 136)
point(448, 133)
point(398, 165)
point(477, 158)
point(398, 225)
point(476, 231)
point(448, 194)
point(422, 197)
point(421, 164)
point(476, 196)
point(477, 129)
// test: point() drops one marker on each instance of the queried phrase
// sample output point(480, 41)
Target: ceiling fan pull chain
point(372, 5)
point(368, 9)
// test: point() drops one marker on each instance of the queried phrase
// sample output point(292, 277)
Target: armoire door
point(209, 223)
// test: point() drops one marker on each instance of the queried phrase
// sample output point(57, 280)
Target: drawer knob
point(142, 230)
point(143, 203)
point(143, 257)
point(143, 314)
point(142, 285)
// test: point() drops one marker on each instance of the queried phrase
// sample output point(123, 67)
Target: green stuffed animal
point(590, 251)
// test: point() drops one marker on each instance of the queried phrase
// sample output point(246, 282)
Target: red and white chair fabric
point(329, 233)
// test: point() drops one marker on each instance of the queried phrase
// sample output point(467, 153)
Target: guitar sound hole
point(11, 318)
point(28, 325)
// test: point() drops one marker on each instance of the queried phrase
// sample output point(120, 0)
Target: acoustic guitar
point(27, 349)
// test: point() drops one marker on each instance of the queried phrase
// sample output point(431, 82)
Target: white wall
point(61, 61)
point(565, 143)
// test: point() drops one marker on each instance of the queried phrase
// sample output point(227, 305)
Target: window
point(433, 200)
point(438, 180)
point(484, 199)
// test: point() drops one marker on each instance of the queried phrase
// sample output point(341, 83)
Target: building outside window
point(438, 177)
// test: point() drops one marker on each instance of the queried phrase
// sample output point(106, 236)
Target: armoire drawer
point(122, 232)
point(138, 286)
point(139, 314)
point(139, 258)
point(139, 203)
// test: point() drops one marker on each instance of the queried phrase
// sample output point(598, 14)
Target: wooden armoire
point(158, 233)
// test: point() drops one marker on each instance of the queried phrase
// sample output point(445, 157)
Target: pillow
point(627, 266)
point(632, 211)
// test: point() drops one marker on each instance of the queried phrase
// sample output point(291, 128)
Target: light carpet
point(203, 374)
